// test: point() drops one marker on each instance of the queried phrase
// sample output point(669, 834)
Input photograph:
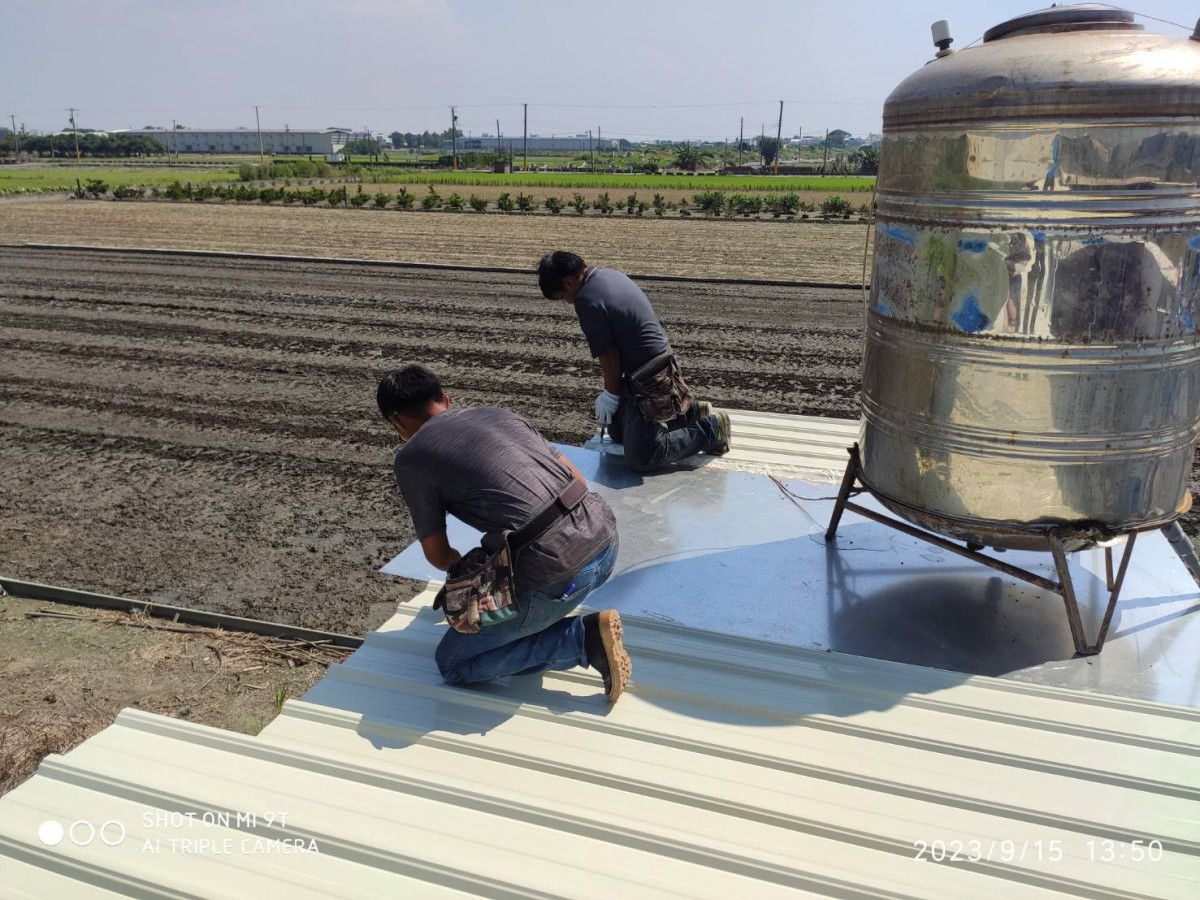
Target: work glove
point(606, 407)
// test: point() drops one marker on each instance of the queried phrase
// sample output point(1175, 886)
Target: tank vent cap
point(1074, 17)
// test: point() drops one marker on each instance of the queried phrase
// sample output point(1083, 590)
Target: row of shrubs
point(716, 203)
point(710, 203)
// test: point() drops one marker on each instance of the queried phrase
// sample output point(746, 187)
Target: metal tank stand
point(853, 485)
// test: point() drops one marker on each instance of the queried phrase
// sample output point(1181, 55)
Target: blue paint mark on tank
point(975, 246)
point(882, 308)
point(1039, 237)
point(901, 234)
point(1095, 240)
point(969, 317)
point(1194, 243)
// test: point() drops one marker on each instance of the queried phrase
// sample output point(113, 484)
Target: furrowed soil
point(782, 250)
point(204, 432)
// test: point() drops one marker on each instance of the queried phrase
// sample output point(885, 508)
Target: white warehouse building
point(321, 141)
point(537, 143)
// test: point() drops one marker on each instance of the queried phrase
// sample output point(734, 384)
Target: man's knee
point(448, 665)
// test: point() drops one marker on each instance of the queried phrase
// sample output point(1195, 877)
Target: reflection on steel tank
point(1032, 353)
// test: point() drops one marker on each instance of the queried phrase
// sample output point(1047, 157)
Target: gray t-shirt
point(492, 470)
point(615, 314)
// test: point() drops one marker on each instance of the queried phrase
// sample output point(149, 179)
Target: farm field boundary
point(446, 267)
point(31, 590)
point(853, 183)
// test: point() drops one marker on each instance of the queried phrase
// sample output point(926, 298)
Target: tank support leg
point(844, 493)
point(1067, 589)
point(1184, 548)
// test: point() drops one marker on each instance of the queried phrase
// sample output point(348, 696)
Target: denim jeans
point(541, 637)
point(652, 445)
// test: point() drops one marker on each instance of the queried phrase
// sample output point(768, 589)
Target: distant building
point(537, 143)
point(322, 141)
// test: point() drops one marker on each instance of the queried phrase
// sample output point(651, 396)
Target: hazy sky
point(634, 69)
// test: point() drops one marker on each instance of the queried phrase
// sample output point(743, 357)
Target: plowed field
point(782, 250)
point(204, 431)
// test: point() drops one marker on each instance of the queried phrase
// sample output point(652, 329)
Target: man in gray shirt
point(623, 333)
point(492, 470)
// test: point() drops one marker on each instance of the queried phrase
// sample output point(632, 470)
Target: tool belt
point(659, 390)
point(480, 588)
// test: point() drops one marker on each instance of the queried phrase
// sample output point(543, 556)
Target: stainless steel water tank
point(1032, 348)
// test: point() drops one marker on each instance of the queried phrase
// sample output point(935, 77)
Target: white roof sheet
point(733, 767)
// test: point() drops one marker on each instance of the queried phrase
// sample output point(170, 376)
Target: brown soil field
point(67, 672)
point(807, 251)
point(204, 432)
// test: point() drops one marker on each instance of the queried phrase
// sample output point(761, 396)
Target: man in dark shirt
point(623, 333)
point(492, 470)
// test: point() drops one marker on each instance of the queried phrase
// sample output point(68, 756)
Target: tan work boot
point(605, 653)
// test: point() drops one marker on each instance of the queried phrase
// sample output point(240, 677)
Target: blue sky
point(634, 69)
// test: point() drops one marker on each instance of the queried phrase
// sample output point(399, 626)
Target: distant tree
point(770, 149)
point(868, 160)
point(837, 138)
point(688, 156)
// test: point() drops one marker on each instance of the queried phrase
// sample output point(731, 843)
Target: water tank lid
point(1076, 17)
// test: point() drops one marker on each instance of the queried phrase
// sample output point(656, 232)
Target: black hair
point(556, 266)
point(407, 391)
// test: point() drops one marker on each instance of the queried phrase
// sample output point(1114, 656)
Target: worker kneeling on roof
point(645, 404)
point(548, 541)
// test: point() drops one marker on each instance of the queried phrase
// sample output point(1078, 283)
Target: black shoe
point(721, 426)
point(605, 653)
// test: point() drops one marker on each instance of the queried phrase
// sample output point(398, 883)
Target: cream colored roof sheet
point(732, 768)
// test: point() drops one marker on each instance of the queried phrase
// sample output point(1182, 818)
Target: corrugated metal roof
point(777, 442)
point(732, 768)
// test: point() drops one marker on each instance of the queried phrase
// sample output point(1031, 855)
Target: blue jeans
point(652, 445)
point(538, 639)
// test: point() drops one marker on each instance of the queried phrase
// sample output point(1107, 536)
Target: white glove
point(606, 407)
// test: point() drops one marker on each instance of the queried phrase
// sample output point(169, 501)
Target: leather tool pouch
point(479, 590)
point(659, 390)
point(479, 587)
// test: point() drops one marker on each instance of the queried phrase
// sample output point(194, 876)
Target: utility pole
point(525, 151)
point(75, 128)
point(725, 157)
point(497, 139)
point(16, 139)
point(258, 125)
point(825, 162)
point(779, 138)
point(454, 138)
point(592, 148)
point(741, 130)
point(174, 145)
point(762, 136)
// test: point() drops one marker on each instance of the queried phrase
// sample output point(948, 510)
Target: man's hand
point(607, 404)
point(438, 551)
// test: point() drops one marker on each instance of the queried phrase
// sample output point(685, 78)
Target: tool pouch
point(479, 590)
point(659, 390)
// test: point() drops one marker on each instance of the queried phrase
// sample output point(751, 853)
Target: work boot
point(605, 654)
point(721, 429)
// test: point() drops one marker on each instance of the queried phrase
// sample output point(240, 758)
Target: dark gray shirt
point(615, 315)
point(492, 470)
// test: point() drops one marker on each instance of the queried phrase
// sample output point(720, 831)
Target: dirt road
point(204, 431)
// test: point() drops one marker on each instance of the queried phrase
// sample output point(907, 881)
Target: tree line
point(111, 145)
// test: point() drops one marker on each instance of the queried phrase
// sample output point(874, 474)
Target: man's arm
point(570, 465)
point(610, 366)
point(438, 551)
